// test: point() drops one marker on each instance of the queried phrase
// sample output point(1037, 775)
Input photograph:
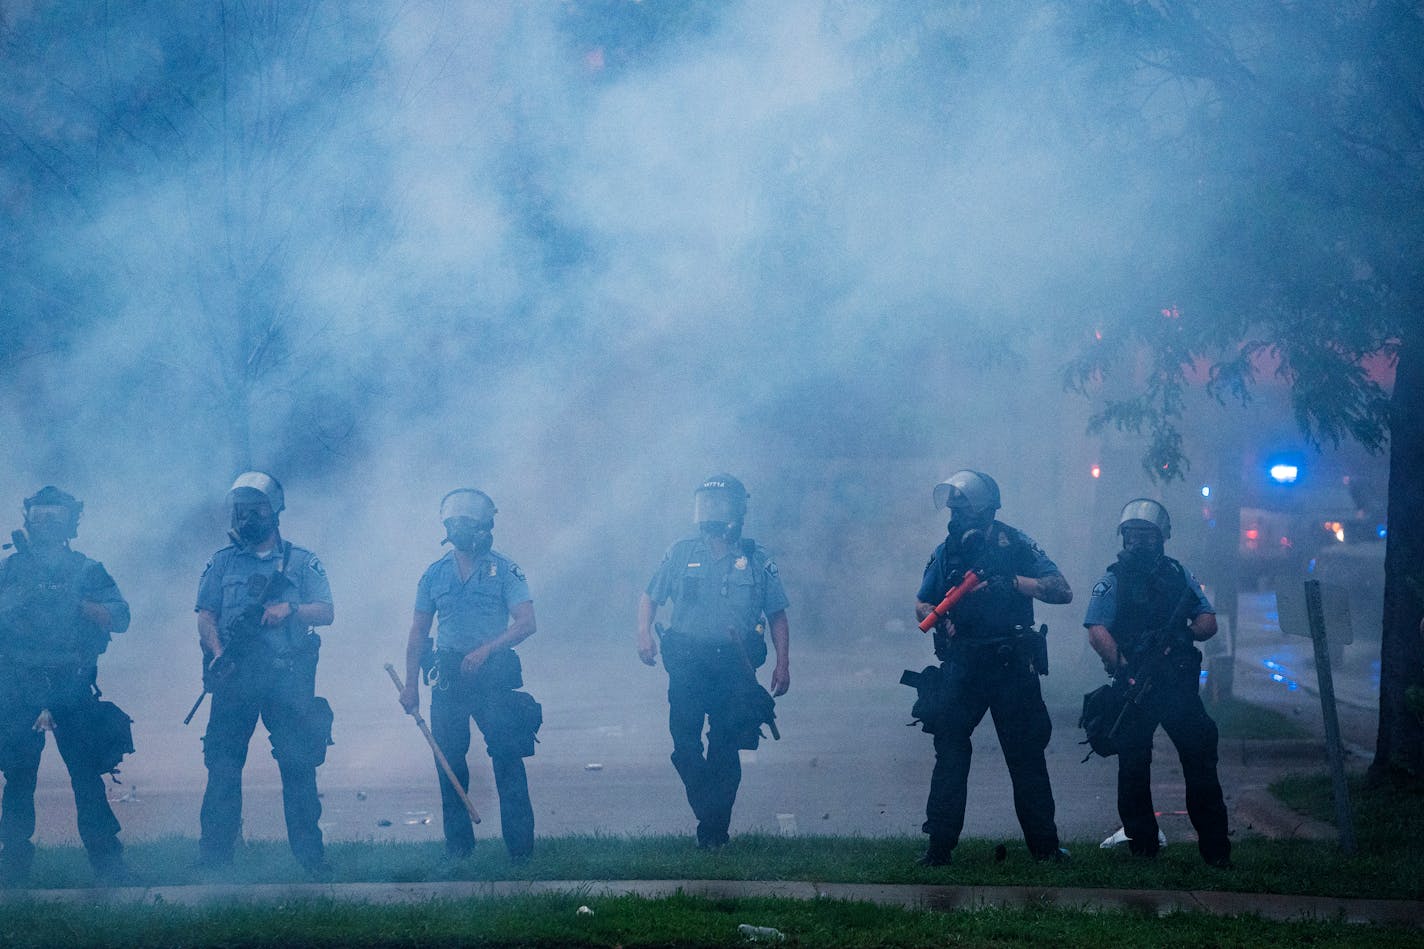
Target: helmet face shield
point(263, 484)
point(716, 505)
point(971, 491)
point(52, 515)
point(467, 503)
point(1145, 513)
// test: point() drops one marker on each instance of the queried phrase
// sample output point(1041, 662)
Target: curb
point(911, 896)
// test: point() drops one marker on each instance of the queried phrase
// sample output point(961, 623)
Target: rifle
point(440, 758)
point(1157, 646)
point(245, 629)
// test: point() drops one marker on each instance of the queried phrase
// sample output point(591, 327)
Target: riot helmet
point(719, 507)
point(52, 516)
point(468, 516)
point(1145, 512)
point(256, 499)
point(1144, 526)
point(972, 498)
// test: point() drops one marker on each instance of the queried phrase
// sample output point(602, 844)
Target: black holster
point(931, 697)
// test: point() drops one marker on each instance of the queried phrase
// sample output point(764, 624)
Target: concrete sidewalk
point(921, 897)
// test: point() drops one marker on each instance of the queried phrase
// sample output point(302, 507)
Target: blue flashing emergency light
point(1381, 531)
point(1283, 473)
point(1206, 490)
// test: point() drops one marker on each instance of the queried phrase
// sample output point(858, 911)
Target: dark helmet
point(50, 500)
point(467, 502)
point(720, 499)
point(252, 486)
point(971, 490)
point(1145, 512)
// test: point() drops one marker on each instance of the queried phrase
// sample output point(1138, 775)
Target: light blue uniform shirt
point(471, 612)
point(228, 581)
point(715, 598)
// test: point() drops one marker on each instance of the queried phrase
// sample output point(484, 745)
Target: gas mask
point(1142, 550)
point(720, 530)
point(252, 523)
point(469, 536)
point(962, 520)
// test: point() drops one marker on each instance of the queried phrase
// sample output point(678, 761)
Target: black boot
point(939, 854)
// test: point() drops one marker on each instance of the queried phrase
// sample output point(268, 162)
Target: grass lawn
point(1238, 719)
point(680, 921)
point(1390, 865)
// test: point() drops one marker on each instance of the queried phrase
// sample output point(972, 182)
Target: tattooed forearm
point(1054, 589)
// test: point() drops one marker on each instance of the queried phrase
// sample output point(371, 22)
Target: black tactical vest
point(990, 612)
point(40, 622)
point(1145, 601)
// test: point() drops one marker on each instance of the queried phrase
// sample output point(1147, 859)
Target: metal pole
point(1343, 819)
point(439, 755)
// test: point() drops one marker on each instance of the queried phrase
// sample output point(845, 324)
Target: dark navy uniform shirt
point(39, 602)
point(1005, 550)
point(471, 612)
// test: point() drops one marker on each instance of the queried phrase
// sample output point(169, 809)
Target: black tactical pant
point(1176, 705)
point(74, 708)
point(455, 699)
point(702, 681)
point(282, 694)
point(979, 680)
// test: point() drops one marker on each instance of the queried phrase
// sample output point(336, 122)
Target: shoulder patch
point(1101, 587)
point(514, 569)
point(771, 570)
point(315, 565)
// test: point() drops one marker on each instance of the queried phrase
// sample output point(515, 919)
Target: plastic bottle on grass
point(760, 933)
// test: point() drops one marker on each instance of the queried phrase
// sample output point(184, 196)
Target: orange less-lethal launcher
point(956, 593)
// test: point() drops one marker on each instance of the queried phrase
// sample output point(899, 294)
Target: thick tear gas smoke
point(575, 255)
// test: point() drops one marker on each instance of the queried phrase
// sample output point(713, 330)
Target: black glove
point(1000, 583)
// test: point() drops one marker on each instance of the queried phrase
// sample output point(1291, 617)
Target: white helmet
point(1145, 512)
point(261, 483)
point(467, 502)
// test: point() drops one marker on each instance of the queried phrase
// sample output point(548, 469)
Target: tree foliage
point(1299, 127)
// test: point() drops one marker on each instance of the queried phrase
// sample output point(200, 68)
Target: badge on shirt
point(494, 568)
point(1003, 540)
point(740, 563)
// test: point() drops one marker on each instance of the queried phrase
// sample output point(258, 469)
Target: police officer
point(725, 591)
point(258, 600)
point(57, 610)
point(483, 602)
point(1142, 619)
point(992, 658)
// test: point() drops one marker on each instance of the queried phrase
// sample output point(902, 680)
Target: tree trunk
point(1400, 748)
